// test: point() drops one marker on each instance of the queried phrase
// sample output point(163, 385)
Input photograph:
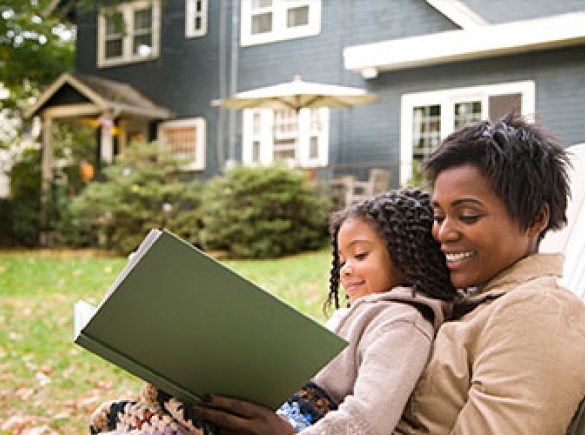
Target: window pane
point(314, 147)
point(262, 23)
point(256, 151)
point(113, 48)
point(198, 6)
point(285, 124)
point(143, 19)
point(183, 141)
point(426, 130)
point(258, 4)
point(256, 124)
point(285, 150)
point(114, 24)
point(499, 105)
point(297, 17)
point(142, 45)
point(466, 113)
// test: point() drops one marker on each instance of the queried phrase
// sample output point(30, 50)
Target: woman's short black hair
point(403, 218)
point(523, 163)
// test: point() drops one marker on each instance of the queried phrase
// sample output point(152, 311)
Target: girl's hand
point(235, 416)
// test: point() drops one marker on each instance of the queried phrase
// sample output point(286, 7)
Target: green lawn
point(45, 380)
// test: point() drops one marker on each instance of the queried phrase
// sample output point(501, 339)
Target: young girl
point(398, 291)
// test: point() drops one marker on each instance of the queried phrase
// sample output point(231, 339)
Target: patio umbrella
point(297, 95)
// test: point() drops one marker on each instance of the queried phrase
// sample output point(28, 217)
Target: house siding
point(191, 72)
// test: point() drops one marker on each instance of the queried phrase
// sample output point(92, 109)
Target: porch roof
point(107, 96)
point(473, 42)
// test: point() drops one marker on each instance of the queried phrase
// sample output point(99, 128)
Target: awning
point(106, 96)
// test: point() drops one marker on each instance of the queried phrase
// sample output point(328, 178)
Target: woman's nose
point(444, 231)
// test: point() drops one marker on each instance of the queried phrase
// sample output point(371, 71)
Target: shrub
point(263, 212)
point(143, 189)
point(21, 213)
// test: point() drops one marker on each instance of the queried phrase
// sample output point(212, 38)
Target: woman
point(513, 362)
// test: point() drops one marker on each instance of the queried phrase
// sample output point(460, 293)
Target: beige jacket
point(514, 365)
point(389, 345)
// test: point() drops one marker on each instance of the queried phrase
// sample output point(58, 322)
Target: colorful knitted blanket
point(158, 413)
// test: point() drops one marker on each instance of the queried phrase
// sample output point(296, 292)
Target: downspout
point(222, 84)
point(234, 76)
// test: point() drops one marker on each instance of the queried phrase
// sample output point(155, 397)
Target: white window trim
point(190, 30)
point(279, 30)
point(446, 98)
point(198, 163)
point(265, 138)
point(127, 9)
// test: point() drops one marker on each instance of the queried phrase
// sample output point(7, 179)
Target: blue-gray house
point(150, 69)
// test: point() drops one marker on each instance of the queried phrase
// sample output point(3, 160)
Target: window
point(186, 137)
point(428, 117)
point(128, 32)
point(265, 21)
point(300, 139)
point(195, 18)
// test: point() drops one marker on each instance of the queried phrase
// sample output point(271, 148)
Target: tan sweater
point(389, 344)
point(514, 365)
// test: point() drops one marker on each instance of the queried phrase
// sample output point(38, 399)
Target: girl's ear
point(540, 221)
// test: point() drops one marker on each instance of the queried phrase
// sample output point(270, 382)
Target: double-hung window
point(128, 32)
point(299, 139)
point(186, 139)
point(265, 21)
point(428, 117)
point(195, 18)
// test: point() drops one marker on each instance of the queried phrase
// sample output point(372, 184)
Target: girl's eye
point(361, 255)
point(439, 219)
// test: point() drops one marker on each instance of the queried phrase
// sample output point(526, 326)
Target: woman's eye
point(361, 255)
point(439, 219)
point(469, 219)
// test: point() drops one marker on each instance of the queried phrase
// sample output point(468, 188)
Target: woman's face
point(476, 232)
point(365, 264)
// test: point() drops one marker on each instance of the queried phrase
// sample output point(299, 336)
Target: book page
point(82, 312)
point(133, 259)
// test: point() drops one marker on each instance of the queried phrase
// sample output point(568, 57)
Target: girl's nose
point(346, 268)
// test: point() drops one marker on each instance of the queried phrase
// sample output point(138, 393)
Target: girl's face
point(365, 264)
point(476, 232)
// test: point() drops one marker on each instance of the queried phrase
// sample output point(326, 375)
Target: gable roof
point(474, 42)
point(106, 95)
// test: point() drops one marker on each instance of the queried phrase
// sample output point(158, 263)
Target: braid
point(404, 218)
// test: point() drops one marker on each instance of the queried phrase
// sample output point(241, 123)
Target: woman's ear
point(540, 221)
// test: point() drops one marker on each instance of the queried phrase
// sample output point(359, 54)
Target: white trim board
point(459, 13)
point(466, 44)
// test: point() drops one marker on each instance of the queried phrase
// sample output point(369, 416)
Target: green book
point(190, 325)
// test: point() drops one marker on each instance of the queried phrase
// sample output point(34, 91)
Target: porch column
point(47, 159)
point(46, 173)
point(106, 139)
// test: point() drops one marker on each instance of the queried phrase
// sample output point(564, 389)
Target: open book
point(189, 325)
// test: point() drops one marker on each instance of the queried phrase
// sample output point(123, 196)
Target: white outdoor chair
point(571, 239)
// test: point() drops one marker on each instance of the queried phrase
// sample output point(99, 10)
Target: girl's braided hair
point(404, 219)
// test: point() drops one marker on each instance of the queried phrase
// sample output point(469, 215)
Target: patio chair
point(355, 190)
point(571, 239)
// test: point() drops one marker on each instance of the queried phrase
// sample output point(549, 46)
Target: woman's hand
point(235, 416)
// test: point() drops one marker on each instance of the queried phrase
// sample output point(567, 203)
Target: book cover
point(190, 325)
